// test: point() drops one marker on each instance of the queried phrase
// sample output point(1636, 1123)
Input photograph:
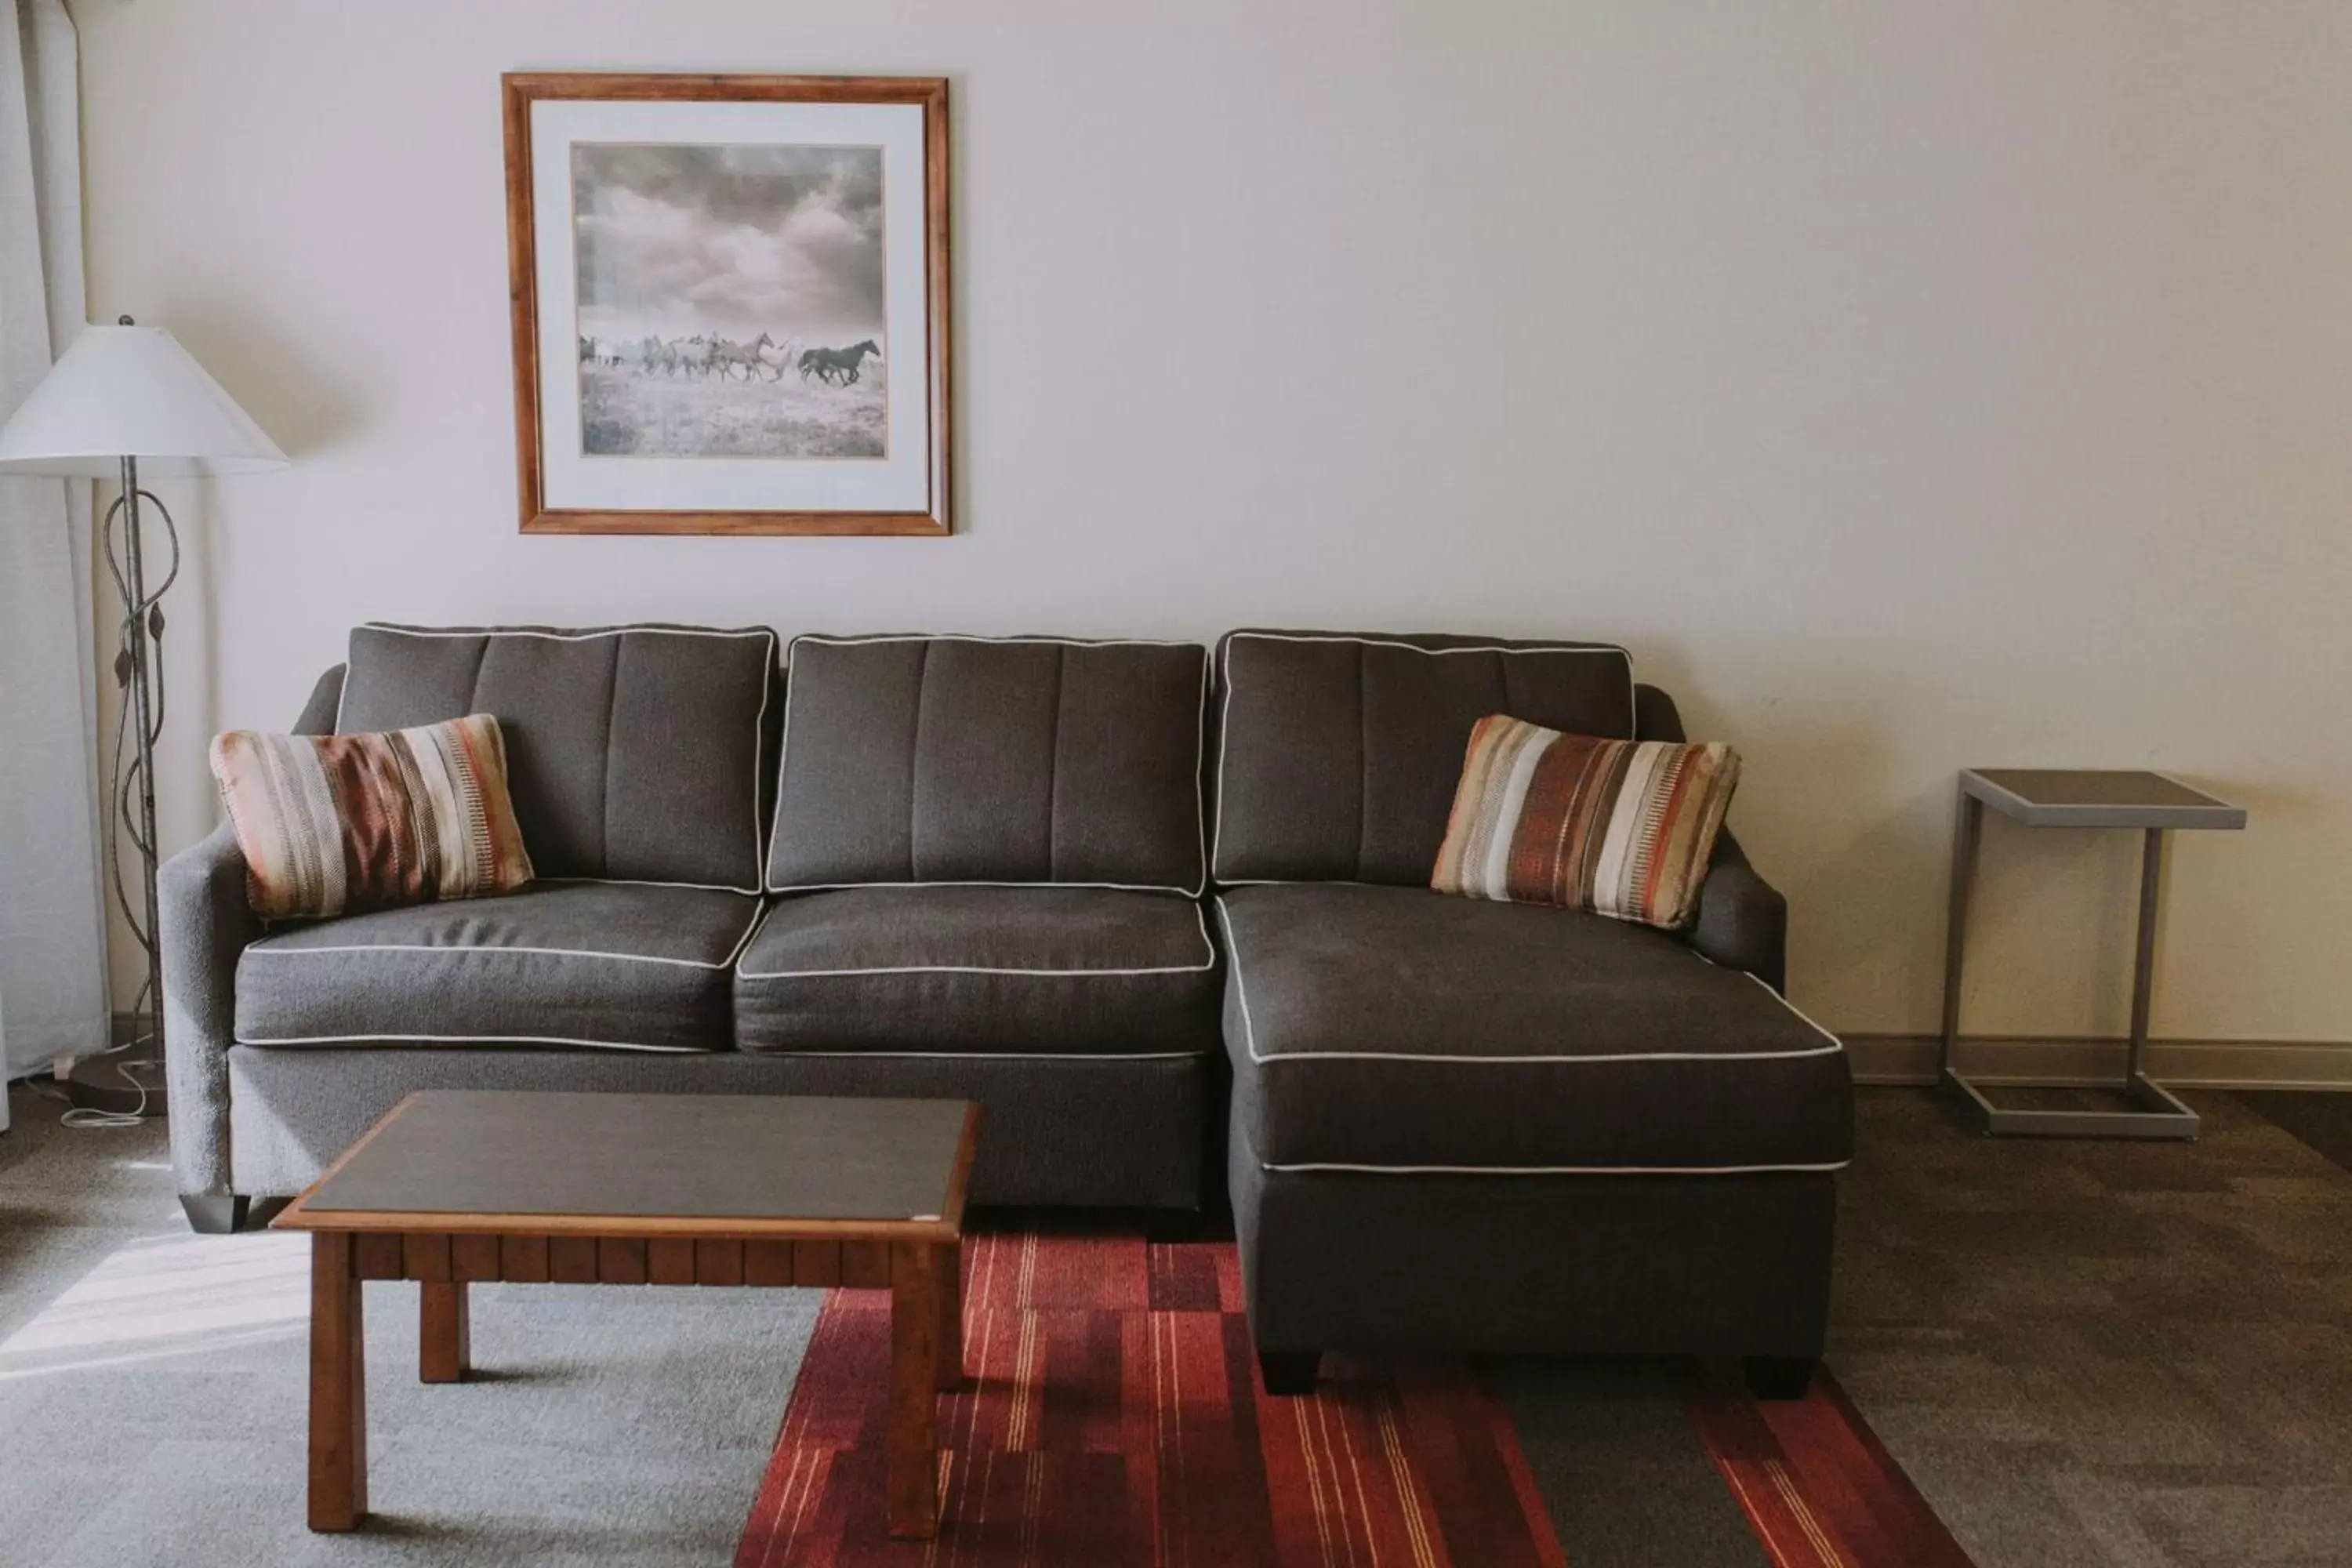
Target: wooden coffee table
point(636, 1189)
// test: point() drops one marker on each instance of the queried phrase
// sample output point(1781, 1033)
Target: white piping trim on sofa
point(485, 1040)
point(1556, 1170)
point(1200, 760)
point(783, 752)
point(1042, 886)
point(652, 882)
point(759, 724)
point(482, 950)
point(850, 639)
point(401, 631)
point(1225, 704)
point(768, 678)
point(985, 969)
point(993, 1056)
point(1803, 1016)
point(1201, 772)
point(1249, 1038)
point(1835, 1043)
point(546, 636)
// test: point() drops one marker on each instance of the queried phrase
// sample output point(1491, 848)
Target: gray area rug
point(608, 1426)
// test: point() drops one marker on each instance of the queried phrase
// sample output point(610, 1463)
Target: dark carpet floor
point(2097, 1354)
point(2104, 1351)
point(2322, 1121)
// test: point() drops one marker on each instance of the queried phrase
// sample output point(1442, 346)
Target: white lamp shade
point(132, 391)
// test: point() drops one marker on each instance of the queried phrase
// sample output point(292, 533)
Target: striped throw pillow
point(333, 824)
point(1622, 828)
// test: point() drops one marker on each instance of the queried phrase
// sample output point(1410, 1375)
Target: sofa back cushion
point(951, 759)
point(1338, 752)
point(634, 754)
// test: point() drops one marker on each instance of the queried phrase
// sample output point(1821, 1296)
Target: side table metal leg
point(1967, 826)
point(2164, 1114)
point(2151, 875)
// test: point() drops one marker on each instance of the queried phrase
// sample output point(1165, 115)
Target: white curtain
point(53, 1000)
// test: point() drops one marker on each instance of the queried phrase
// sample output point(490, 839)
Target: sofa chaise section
point(1470, 1126)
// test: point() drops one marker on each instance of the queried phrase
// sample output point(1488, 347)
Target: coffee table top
point(2097, 797)
point(768, 1166)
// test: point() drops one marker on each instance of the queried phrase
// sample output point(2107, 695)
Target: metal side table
point(2040, 797)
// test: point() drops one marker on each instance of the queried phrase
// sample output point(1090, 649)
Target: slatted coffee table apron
point(636, 1189)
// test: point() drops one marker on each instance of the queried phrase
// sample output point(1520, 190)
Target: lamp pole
point(142, 642)
point(109, 1085)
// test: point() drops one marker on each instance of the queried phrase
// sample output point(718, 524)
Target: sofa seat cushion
point(969, 971)
point(1398, 1028)
point(567, 964)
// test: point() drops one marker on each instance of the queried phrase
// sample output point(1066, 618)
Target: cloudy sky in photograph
point(674, 240)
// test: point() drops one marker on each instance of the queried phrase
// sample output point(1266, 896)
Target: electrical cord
point(87, 1118)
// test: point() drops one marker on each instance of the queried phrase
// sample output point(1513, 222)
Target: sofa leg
point(1289, 1372)
point(1780, 1377)
point(214, 1213)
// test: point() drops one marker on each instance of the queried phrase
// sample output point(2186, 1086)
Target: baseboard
point(2198, 1064)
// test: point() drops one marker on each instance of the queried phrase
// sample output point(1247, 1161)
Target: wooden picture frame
point(646, 440)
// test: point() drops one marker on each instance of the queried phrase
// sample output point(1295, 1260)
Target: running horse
point(726, 357)
point(837, 367)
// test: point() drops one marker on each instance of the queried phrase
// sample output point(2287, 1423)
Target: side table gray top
point(2096, 797)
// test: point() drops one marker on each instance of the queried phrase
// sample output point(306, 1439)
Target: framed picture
point(730, 303)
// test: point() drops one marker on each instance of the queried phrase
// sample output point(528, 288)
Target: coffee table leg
point(338, 1386)
point(444, 1333)
point(914, 1465)
point(950, 1293)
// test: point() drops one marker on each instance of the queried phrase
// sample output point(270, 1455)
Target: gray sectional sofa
point(1154, 908)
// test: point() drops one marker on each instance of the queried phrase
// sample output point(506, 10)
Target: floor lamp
point(118, 398)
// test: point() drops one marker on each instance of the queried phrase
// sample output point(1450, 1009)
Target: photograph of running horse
point(682, 251)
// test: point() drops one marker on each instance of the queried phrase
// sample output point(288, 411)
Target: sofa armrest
point(1743, 920)
point(206, 922)
point(326, 701)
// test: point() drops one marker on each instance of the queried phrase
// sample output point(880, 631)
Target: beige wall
point(1909, 384)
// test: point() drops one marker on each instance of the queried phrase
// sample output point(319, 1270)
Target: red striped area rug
point(1113, 1416)
point(1817, 1487)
